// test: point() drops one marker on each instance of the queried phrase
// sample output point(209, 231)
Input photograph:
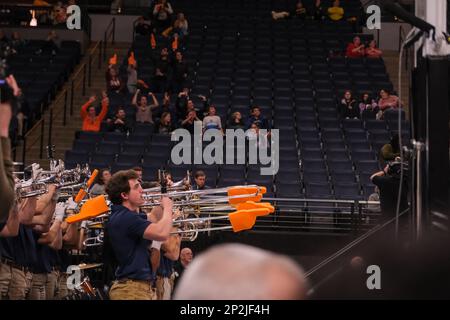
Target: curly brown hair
point(118, 184)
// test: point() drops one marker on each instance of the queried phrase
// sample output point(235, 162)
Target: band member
point(186, 257)
point(163, 256)
point(169, 253)
point(130, 234)
point(46, 243)
point(6, 165)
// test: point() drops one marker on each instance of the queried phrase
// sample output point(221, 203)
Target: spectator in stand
point(165, 124)
point(336, 12)
point(372, 51)
point(161, 71)
point(200, 181)
point(299, 12)
point(113, 82)
point(144, 111)
point(162, 13)
point(368, 107)
point(165, 107)
point(181, 25)
point(212, 120)
point(101, 181)
point(317, 11)
point(92, 122)
point(257, 117)
point(355, 49)
point(236, 121)
point(386, 102)
point(254, 135)
point(349, 107)
point(120, 123)
point(391, 151)
point(184, 104)
point(143, 28)
point(59, 14)
point(132, 78)
point(189, 122)
point(180, 73)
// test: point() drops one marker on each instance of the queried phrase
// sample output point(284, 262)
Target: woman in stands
point(236, 121)
point(100, 182)
point(368, 107)
point(355, 49)
point(387, 101)
point(181, 25)
point(336, 12)
point(212, 120)
point(162, 14)
point(349, 107)
point(144, 111)
point(165, 124)
point(113, 81)
point(372, 51)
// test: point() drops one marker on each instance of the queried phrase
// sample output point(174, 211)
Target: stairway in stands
point(63, 136)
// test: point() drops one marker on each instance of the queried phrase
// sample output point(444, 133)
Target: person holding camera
point(388, 182)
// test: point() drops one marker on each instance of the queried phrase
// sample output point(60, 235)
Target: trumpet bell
point(31, 190)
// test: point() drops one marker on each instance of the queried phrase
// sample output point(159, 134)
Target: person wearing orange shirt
point(92, 122)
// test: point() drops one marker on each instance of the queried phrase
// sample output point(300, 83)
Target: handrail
point(401, 37)
point(107, 35)
point(321, 201)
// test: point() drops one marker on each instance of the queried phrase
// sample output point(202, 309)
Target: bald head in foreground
point(241, 272)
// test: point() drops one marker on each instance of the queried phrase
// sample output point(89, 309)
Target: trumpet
point(65, 180)
point(197, 198)
point(29, 189)
point(94, 241)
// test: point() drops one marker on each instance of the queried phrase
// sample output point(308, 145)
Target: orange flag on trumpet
point(113, 60)
point(153, 41)
point(131, 59)
point(175, 44)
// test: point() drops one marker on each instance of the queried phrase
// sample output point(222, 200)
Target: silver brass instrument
point(68, 181)
point(28, 189)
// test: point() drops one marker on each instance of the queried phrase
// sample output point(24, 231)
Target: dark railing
point(82, 77)
point(331, 217)
point(408, 59)
point(110, 32)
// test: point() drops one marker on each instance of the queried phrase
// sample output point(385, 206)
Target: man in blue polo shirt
point(130, 235)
